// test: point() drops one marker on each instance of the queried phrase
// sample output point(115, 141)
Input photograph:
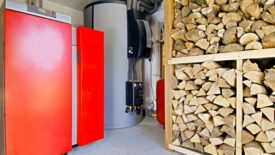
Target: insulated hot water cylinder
point(111, 18)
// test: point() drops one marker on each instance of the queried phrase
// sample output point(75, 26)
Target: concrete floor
point(147, 139)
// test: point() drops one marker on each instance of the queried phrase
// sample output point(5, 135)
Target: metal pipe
point(38, 3)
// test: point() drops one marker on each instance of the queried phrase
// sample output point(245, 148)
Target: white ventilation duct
point(37, 3)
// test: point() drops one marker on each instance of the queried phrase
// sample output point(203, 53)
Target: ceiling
point(76, 4)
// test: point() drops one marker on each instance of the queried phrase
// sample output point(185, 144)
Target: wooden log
point(195, 139)
point(214, 90)
point(253, 148)
point(211, 149)
point(183, 137)
point(199, 82)
point(230, 121)
point(269, 113)
point(179, 109)
point(270, 134)
point(196, 68)
point(175, 104)
point(174, 82)
point(178, 94)
point(200, 109)
point(190, 85)
point(247, 120)
point(216, 141)
point(223, 84)
point(232, 102)
point(267, 125)
point(188, 144)
point(228, 150)
point(248, 108)
point(246, 92)
point(206, 86)
point(257, 117)
point(181, 85)
point(270, 78)
point(257, 89)
point(261, 137)
point(188, 109)
point(263, 101)
point(211, 98)
point(216, 132)
point(201, 92)
point(253, 128)
point(221, 101)
point(218, 120)
point(205, 133)
point(177, 142)
point(189, 133)
point(230, 141)
point(247, 83)
point(199, 147)
point(246, 137)
point(218, 71)
point(230, 77)
point(204, 141)
point(213, 113)
point(181, 75)
point(230, 131)
point(228, 93)
point(225, 112)
point(192, 117)
point(210, 65)
point(251, 100)
point(255, 76)
point(268, 148)
point(188, 71)
point(248, 66)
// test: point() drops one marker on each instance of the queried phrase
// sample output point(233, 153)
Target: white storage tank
point(111, 18)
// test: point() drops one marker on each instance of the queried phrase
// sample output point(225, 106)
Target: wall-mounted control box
point(134, 93)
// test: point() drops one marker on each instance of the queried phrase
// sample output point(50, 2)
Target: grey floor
point(145, 139)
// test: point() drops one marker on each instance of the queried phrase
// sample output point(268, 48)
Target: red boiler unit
point(90, 70)
point(35, 81)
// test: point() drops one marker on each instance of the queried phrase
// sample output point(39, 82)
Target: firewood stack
point(204, 105)
point(258, 134)
point(220, 26)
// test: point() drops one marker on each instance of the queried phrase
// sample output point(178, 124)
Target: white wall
point(77, 16)
point(150, 80)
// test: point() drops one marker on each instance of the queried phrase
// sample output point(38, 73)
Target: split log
point(261, 137)
point(255, 76)
point(247, 120)
point(263, 101)
point(195, 139)
point(267, 125)
point(221, 101)
point(211, 149)
point(246, 137)
point(218, 120)
point(230, 77)
point(270, 134)
point(253, 128)
point(257, 117)
point(248, 108)
point(216, 141)
point(230, 141)
point(269, 113)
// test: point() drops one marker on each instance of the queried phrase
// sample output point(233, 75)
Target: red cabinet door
point(90, 118)
point(38, 85)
